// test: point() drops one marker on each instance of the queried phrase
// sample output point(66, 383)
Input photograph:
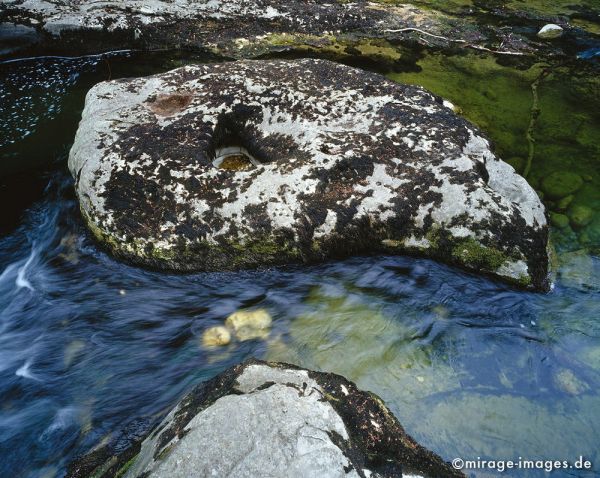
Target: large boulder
point(276, 420)
point(251, 163)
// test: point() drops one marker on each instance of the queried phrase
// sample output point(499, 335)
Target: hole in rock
point(234, 158)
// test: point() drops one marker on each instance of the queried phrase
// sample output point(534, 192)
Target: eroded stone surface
point(347, 162)
point(269, 419)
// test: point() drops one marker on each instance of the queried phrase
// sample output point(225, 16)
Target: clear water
point(90, 346)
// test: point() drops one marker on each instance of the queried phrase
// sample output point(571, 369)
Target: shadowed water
point(92, 349)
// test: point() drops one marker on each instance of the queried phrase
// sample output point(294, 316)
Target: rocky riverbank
point(259, 27)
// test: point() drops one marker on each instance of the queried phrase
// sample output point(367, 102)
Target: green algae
point(344, 335)
point(473, 254)
point(376, 50)
point(123, 470)
point(561, 184)
point(496, 95)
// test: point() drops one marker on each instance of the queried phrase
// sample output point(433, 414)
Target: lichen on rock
point(344, 162)
point(271, 419)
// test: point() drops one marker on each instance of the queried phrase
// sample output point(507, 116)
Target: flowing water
point(92, 349)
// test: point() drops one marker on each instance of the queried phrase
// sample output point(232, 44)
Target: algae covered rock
point(559, 220)
point(560, 184)
point(339, 162)
point(580, 215)
point(271, 419)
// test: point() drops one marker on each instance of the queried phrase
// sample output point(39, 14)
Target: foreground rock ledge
point(277, 420)
point(328, 161)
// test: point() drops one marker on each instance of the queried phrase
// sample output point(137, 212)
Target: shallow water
point(90, 346)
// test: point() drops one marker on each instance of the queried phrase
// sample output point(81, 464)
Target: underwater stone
point(564, 203)
point(580, 215)
point(250, 324)
point(271, 419)
point(344, 162)
point(216, 336)
point(565, 380)
point(559, 220)
point(559, 184)
point(550, 31)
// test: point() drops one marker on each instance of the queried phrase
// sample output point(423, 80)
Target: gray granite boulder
point(249, 163)
point(262, 419)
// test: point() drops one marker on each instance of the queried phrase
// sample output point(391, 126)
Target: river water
point(92, 349)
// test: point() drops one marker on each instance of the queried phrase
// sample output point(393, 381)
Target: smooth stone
point(550, 31)
point(275, 420)
point(216, 336)
point(559, 220)
point(343, 162)
point(258, 319)
point(559, 184)
point(580, 215)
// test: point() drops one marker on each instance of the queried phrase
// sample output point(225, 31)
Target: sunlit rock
point(216, 336)
point(270, 419)
point(250, 324)
point(339, 161)
point(550, 31)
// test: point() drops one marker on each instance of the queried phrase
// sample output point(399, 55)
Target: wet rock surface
point(271, 419)
point(341, 162)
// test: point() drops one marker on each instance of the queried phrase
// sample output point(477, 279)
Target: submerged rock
point(271, 419)
point(560, 184)
point(580, 215)
point(343, 162)
point(250, 324)
point(216, 336)
point(559, 220)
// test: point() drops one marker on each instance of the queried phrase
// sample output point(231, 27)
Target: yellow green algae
point(337, 47)
point(561, 143)
point(343, 334)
